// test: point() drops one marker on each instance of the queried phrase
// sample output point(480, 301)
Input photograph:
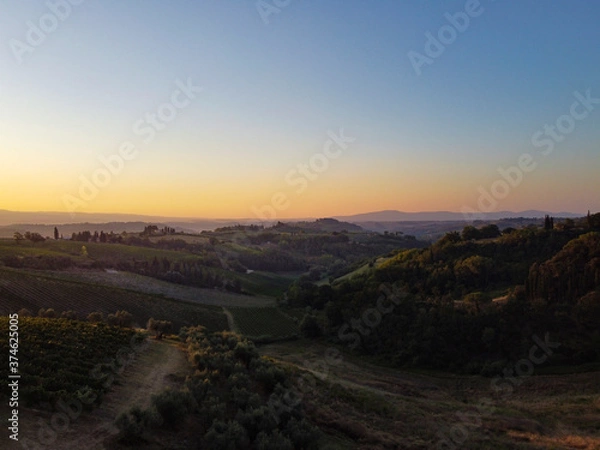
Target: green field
point(263, 322)
point(112, 255)
point(100, 252)
point(20, 289)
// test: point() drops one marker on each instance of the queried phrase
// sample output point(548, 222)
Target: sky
point(289, 108)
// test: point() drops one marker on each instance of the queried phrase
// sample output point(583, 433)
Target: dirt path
point(230, 320)
point(544, 411)
point(152, 372)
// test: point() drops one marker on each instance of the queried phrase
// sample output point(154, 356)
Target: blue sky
point(271, 92)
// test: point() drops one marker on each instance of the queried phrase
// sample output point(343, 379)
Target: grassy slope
point(363, 406)
point(255, 322)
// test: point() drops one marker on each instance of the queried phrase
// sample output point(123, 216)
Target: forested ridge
point(471, 303)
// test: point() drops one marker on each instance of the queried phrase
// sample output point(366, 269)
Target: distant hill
point(408, 222)
point(401, 216)
point(68, 229)
point(328, 225)
point(433, 229)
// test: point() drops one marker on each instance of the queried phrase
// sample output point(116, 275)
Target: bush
point(95, 317)
point(134, 424)
point(309, 327)
point(70, 314)
point(112, 320)
point(47, 313)
point(173, 406)
point(226, 436)
point(273, 441)
point(302, 433)
point(256, 420)
point(124, 319)
point(245, 351)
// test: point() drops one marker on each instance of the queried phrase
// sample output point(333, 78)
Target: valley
point(371, 341)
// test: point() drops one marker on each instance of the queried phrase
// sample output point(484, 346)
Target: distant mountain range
point(428, 216)
point(437, 221)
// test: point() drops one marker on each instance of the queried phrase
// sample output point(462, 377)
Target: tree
point(70, 314)
point(18, 237)
point(34, 237)
point(95, 317)
point(451, 237)
point(490, 231)
point(470, 233)
point(56, 235)
point(159, 327)
point(48, 313)
point(124, 319)
point(310, 327)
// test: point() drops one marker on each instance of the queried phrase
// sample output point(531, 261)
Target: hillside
point(381, 340)
point(437, 307)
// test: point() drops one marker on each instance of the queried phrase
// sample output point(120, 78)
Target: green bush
point(309, 327)
point(173, 406)
point(226, 436)
point(273, 441)
point(134, 425)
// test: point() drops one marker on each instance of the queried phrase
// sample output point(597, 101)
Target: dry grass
point(362, 406)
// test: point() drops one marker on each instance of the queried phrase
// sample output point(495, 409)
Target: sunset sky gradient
point(272, 92)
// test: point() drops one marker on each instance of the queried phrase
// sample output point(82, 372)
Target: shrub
point(134, 424)
point(256, 420)
point(70, 314)
point(302, 433)
point(309, 327)
point(112, 320)
point(124, 319)
point(230, 435)
point(95, 317)
point(273, 441)
point(173, 406)
point(47, 313)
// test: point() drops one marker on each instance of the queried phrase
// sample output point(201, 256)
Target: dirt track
point(149, 374)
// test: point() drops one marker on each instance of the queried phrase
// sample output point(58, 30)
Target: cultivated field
point(263, 323)
point(19, 289)
point(149, 285)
